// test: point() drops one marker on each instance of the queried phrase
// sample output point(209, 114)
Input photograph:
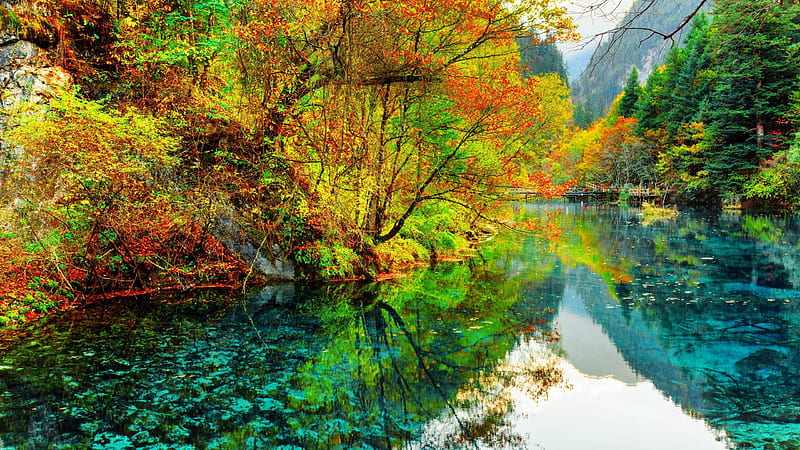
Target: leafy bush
point(94, 202)
point(328, 260)
point(779, 184)
point(439, 230)
point(399, 251)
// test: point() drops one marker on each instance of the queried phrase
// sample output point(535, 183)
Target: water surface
point(604, 331)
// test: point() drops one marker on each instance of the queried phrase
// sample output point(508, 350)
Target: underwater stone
point(764, 359)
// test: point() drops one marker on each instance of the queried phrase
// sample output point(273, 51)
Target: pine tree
point(539, 58)
point(757, 64)
point(584, 114)
point(627, 105)
point(692, 85)
point(675, 93)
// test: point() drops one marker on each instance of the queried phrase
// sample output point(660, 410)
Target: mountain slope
point(632, 45)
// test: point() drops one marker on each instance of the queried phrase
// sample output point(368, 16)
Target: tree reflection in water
point(425, 347)
point(714, 296)
point(429, 361)
point(349, 366)
point(487, 403)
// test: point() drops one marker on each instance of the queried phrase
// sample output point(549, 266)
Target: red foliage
point(542, 184)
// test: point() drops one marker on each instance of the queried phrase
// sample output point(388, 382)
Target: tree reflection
point(428, 346)
point(488, 402)
point(705, 306)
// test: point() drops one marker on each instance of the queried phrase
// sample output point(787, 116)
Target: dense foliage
point(717, 123)
point(348, 138)
point(345, 137)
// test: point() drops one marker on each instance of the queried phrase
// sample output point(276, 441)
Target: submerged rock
point(275, 294)
point(764, 360)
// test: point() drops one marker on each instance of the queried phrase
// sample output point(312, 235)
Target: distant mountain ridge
point(604, 77)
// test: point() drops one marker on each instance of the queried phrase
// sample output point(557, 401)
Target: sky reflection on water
point(608, 406)
point(603, 403)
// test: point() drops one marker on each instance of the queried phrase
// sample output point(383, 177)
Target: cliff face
point(25, 74)
point(633, 45)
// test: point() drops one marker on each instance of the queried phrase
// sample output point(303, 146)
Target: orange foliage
point(504, 106)
point(542, 184)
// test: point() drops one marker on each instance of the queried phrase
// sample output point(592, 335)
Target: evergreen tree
point(584, 114)
point(676, 92)
point(649, 108)
point(627, 105)
point(538, 58)
point(692, 82)
point(755, 57)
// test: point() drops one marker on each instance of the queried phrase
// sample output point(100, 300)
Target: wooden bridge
point(606, 193)
point(637, 193)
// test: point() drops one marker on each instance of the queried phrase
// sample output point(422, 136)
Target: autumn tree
point(92, 198)
point(623, 158)
point(314, 127)
point(575, 155)
point(381, 107)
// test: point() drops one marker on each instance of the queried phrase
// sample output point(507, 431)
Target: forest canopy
point(345, 137)
point(717, 123)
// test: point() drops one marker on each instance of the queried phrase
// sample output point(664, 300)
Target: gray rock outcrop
point(269, 260)
point(25, 75)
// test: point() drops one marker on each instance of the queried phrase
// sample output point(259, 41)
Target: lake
point(601, 330)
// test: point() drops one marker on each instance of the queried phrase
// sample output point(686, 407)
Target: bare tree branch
point(630, 23)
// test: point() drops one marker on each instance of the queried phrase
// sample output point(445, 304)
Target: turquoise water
point(612, 332)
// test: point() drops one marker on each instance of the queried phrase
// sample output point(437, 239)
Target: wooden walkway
point(637, 193)
point(602, 193)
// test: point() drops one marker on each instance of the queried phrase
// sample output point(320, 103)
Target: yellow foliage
point(399, 252)
point(73, 149)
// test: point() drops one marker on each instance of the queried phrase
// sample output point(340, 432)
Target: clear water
point(613, 332)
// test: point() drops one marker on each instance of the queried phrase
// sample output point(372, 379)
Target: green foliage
point(9, 20)
point(624, 194)
point(778, 184)
point(189, 37)
point(439, 230)
point(630, 95)
point(328, 260)
point(718, 114)
point(757, 67)
point(399, 252)
point(86, 150)
point(83, 186)
point(585, 114)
